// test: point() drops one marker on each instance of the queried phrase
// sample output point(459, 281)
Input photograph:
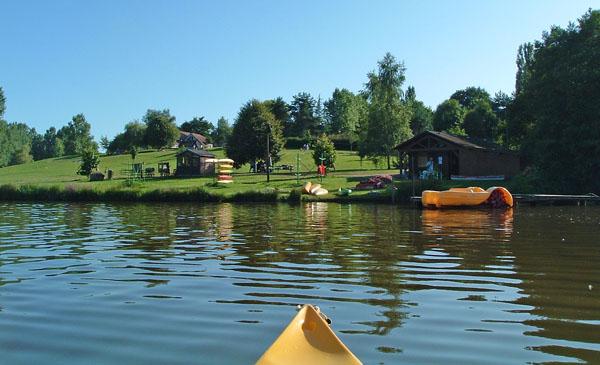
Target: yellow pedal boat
point(495, 197)
point(308, 339)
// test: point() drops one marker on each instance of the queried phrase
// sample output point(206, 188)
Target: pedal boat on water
point(495, 197)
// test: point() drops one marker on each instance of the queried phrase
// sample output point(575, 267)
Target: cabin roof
point(183, 136)
point(467, 143)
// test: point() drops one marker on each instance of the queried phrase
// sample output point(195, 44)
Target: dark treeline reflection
point(543, 261)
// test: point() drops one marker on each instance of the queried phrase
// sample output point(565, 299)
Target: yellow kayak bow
point(308, 339)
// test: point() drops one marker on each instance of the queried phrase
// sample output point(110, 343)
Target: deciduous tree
point(324, 148)
point(389, 117)
point(449, 117)
point(248, 141)
point(76, 136)
point(421, 115)
point(161, 130)
point(302, 112)
point(481, 122)
point(222, 132)
point(198, 125)
point(562, 97)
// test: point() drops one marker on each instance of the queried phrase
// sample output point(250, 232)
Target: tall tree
point(468, 97)
point(135, 134)
point(161, 130)
point(53, 145)
point(302, 112)
point(104, 143)
point(562, 96)
point(15, 143)
point(345, 112)
point(119, 144)
point(500, 104)
point(198, 125)
point(281, 111)
point(248, 141)
point(38, 150)
point(525, 56)
point(519, 115)
point(389, 117)
point(76, 136)
point(21, 155)
point(481, 122)
point(421, 115)
point(449, 117)
point(222, 132)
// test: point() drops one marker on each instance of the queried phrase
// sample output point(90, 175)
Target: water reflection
point(468, 224)
point(402, 285)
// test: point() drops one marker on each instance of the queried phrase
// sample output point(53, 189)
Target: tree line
point(375, 118)
point(552, 118)
point(158, 129)
point(20, 144)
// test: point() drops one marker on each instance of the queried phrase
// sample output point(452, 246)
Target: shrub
point(96, 176)
point(89, 162)
point(323, 148)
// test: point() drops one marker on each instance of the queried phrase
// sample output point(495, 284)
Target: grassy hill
point(61, 173)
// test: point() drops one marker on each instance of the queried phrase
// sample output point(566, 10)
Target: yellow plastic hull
point(308, 339)
point(472, 196)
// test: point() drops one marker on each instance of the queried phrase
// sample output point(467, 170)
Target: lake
point(216, 284)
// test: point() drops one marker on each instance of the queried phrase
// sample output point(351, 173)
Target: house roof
point(463, 142)
point(185, 135)
point(201, 153)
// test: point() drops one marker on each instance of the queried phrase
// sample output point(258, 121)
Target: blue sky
point(113, 60)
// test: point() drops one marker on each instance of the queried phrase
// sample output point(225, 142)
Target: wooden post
point(268, 160)
point(412, 173)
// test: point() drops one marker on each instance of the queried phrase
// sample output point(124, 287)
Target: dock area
point(545, 199)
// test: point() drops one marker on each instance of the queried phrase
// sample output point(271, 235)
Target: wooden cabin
point(456, 156)
point(192, 162)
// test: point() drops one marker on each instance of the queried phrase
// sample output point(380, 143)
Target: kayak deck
point(308, 339)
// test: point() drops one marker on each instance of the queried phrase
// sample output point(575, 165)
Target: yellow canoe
point(306, 188)
point(308, 339)
point(472, 196)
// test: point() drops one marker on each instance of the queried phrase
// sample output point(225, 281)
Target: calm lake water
point(215, 284)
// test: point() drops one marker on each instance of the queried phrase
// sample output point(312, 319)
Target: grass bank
point(55, 180)
point(399, 193)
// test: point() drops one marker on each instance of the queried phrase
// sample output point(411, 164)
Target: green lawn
point(62, 172)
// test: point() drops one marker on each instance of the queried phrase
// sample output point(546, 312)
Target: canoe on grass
point(314, 188)
point(308, 339)
point(306, 187)
point(320, 191)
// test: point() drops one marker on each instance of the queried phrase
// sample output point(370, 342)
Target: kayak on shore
point(308, 339)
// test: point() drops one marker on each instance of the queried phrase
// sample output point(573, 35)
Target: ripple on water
point(181, 284)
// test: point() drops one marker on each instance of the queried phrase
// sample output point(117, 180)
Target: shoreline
point(37, 193)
